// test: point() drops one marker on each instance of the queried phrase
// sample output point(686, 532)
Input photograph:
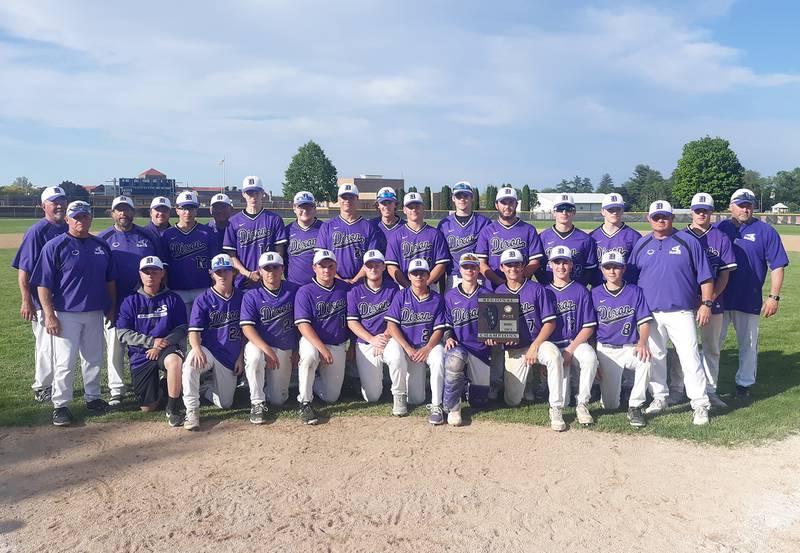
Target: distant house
point(780, 208)
point(584, 201)
point(368, 186)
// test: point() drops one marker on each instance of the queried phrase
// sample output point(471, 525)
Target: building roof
point(579, 197)
point(780, 206)
point(151, 173)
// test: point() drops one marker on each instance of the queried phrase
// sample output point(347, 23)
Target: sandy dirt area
point(374, 484)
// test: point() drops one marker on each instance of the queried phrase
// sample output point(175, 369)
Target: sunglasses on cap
point(565, 208)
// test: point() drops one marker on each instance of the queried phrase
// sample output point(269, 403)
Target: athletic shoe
point(175, 419)
point(98, 405)
point(656, 407)
point(437, 415)
point(43, 395)
point(62, 416)
point(700, 416)
point(557, 419)
point(258, 413)
point(116, 400)
point(307, 414)
point(636, 417)
point(454, 418)
point(192, 421)
point(716, 402)
point(676, 397)
point(743, 394)
point(584, 416)
point(400, 407)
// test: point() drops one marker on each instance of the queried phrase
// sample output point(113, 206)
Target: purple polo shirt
point(755, 245)
point(271, 312)
point(76, 271)
point(385, 233)
point(189, 255)
point(496, 237)
point(217, 319)
point(619, 314)
point(417, 317)
point(461, 312)
point(719, 252)
point(348, 242)
point(461, 238)
point(32, 243)
point(621, 241)
point(584, 254)
point(154, 230)
point(155, 316)
point(127, 249)
point(369, 307)
point(575, 312)
point(535, 308)
point(300, 251)
point(670, 270)
point(407, 244)
point(325, 309)
point(249, 235)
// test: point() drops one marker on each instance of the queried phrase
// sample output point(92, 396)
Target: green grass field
point(773, 414)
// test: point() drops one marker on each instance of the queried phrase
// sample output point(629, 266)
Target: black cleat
point(636, 417)
point(743, 394)
point(175, 419)
point(307, 414)
point(258, 413)
point(98, 406)
point(62, 416)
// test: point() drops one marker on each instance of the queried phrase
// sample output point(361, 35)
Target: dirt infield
point(374, 484)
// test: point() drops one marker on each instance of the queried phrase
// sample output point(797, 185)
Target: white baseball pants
point(224, 381)
point(115, 361)
point(188, 297)
point(370, 372)
point(678, 326)
point(277, 380)
point(746, 327)
point(408, 377)
point(583, 366)
point(613, 362)
point(80, 332)
point(517, 371)
point(328, 385)
point(43, 354)
point(711, 338)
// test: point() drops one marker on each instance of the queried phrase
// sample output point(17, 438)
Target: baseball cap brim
point(744, 200)
point(659, 212)
point(614, 204)
point(612, 262)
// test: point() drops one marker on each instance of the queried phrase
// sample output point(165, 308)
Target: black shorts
point(145, 380)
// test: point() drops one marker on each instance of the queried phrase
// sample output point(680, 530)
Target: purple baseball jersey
point(670, 270)
point(189, 255)
point(155, 316)
point(369, 307)
point(217, 319)
point(300, 251)
point(127, 250)
point(584, 254)
point(271, 312)
point(325, 309)
point(755, 245)
point(348, 241)
point(155, 231)
point(407, 244)
point(417, 317)
point(386, 233)
point(575, 311)
point(249, 235)
point(461, 313)
point(32, 243)
point(719, 252)
point(535, 308)
point(495, 238)
point(461, 238)
point(218, 232)
point(621, 241)
point(619, 314)
point(76, 271)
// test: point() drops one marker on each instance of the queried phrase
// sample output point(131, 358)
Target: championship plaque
point(498, 317)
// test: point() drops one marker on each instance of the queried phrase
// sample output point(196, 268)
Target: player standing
point(302, 233)
point(671, 265)
point(388, 222)
point(54, 205)
point(221, 211)
point(564, 233)
point(460, 230)
point(160, 210)
point(614, 234)
point(756, 245)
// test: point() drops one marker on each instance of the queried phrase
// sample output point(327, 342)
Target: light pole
point(221, 163)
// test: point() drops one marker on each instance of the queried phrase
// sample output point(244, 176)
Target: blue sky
point(520, 91)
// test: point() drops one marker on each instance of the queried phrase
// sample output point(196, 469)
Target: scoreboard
point(147, 186)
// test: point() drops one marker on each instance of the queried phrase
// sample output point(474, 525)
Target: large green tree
point(75, 191)
point(645, 186)
point(446, 198)
point(762, 187)
point(311, 170)
point(476, 198)
point(606, 184)
point(426, 198)
point(489, 197)
point(526, 198)
point(786, 189)
point(707, 165)
point(21, 185)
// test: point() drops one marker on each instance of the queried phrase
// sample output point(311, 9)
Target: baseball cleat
point(307, 414)
point(583, 414)
point(557, 419)
point(454, 418)
point(116, 400)
point(656, 406)
point(43, 395)
point(437, 415)
point(400, 406)
point(716, 402)
point(174, 419)
point(62, 416)
point(743, 394)
point(192, 421)
point(700, 416)
point(636, 417)
point(98, 406)
point(258, 413)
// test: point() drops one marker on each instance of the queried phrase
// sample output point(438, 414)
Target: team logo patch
point(751, 236)
point(99, 251)
point(650, 252)
point(115, 244)
point(142, 243)
point(75, 252)
point(675, 250)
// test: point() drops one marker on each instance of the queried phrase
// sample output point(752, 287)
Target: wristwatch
point(774, 297)
point(708, 303)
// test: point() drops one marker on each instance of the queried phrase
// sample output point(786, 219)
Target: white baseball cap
point(703, 200)
point(304, 197)
point(612, 200)
point(160, 201)
point(560, 252)
point(373, 255)
point(412, 198)
point(743, 196)
point(269, 259)
point(506, 192)
point(612, 257)
point(187, 199)
point(150, 261)
point(348, 188)
point(52, 193)
point(662, 207)
point(564, 199)
point(221, 261)
point(251, 182)
point(322, 255)
point(221, 199)
point(418, 264)
point(122, 200)
point(468, 258)
point(77, 207)
point(511, 256)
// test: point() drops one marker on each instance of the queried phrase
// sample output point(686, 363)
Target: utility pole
point(114, 188)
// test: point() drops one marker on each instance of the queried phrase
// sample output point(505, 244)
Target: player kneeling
point(537, 317)
point(268, 324)
point(574, 327)
point(216, 341)
point(320, 309)
point(622, 332)
point(416, 324)
point(466, 359)
point(152, 323)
